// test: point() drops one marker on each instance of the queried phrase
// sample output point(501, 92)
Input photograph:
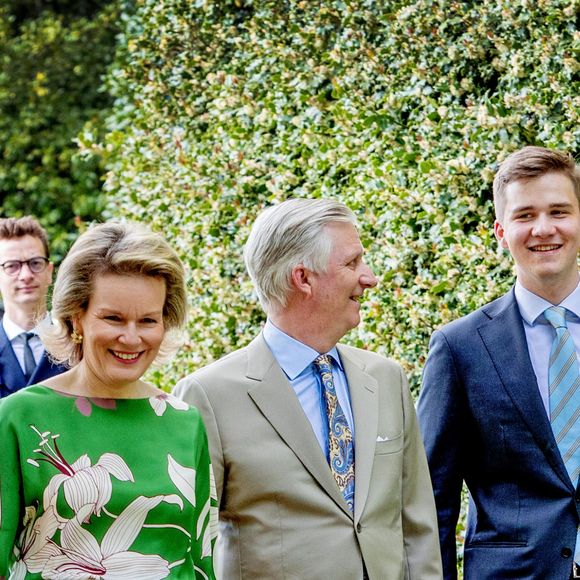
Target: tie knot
point(323, 363)
point(26, 336)
point(556, 316)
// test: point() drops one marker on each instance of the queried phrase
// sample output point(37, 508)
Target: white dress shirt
point(14, 332)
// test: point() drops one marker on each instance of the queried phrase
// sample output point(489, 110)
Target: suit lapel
point(12, 375)
point(45, 369)
point(363, 390)
point(273, 395)
point(515, 370)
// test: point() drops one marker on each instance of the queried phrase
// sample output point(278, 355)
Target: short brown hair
point(113, 248)
point(11, 228)
point(530, 163)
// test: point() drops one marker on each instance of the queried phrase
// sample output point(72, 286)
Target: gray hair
point(285, 235)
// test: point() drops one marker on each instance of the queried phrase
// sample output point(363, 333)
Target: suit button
point(566, 553)
point(358, 528)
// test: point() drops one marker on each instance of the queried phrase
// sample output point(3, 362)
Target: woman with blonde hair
point(102, 475)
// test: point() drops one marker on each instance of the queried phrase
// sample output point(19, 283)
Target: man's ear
point(500, 235)
point(301, 279)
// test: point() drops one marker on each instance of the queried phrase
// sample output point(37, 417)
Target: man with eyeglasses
point(25, 275)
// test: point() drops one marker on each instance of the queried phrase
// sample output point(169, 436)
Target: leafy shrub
point(52, 61)
point(401, 109)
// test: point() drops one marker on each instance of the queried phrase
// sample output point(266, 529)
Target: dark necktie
point(340, 443)
point(29, 362)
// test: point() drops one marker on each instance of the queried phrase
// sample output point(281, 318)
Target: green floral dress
point(104, 488)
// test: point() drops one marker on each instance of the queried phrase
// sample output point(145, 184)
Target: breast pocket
point(389, 444)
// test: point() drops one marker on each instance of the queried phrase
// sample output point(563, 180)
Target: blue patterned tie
point(564, 380)
point(340, 444)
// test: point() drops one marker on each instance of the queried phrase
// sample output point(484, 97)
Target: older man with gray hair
point(319, 466)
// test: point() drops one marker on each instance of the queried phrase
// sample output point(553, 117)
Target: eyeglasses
point(35, 265)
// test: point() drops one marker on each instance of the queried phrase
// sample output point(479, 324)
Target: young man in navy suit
point(25, 275)
point(487, 408)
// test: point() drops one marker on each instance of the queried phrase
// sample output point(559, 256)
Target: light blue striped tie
point(564, 380)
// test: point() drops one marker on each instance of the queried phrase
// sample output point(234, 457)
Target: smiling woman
point(74, 503)
point(122, 330)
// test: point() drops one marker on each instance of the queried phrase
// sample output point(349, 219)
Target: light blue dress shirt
point(295, 358)
point(540, 334)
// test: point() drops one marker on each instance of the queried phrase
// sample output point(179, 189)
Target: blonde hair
point(114, 248)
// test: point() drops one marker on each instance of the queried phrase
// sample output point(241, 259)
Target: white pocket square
point(380, 439)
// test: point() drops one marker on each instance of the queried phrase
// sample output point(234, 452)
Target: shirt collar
point(292, 355)
point(532, 306)
point(13, 330)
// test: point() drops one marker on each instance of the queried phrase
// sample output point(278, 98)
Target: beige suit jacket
point(282, 515)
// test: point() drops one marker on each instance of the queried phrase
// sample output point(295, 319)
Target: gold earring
point(76, 337)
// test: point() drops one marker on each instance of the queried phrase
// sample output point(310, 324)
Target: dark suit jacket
point(11, 376)
point(483, 422)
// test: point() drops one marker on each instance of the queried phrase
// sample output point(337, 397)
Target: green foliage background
point(401, 109)
point(213, 110)
point(53, 56)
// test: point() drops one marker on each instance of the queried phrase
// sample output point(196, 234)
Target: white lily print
point(207, 524)
point(183, 478)
point(83, 483)
point(81, 556)
point(211, 512)
point(34, 547)
point(159, 403)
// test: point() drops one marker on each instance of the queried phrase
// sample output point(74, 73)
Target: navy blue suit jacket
point(11, 375)
point(483, 422)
